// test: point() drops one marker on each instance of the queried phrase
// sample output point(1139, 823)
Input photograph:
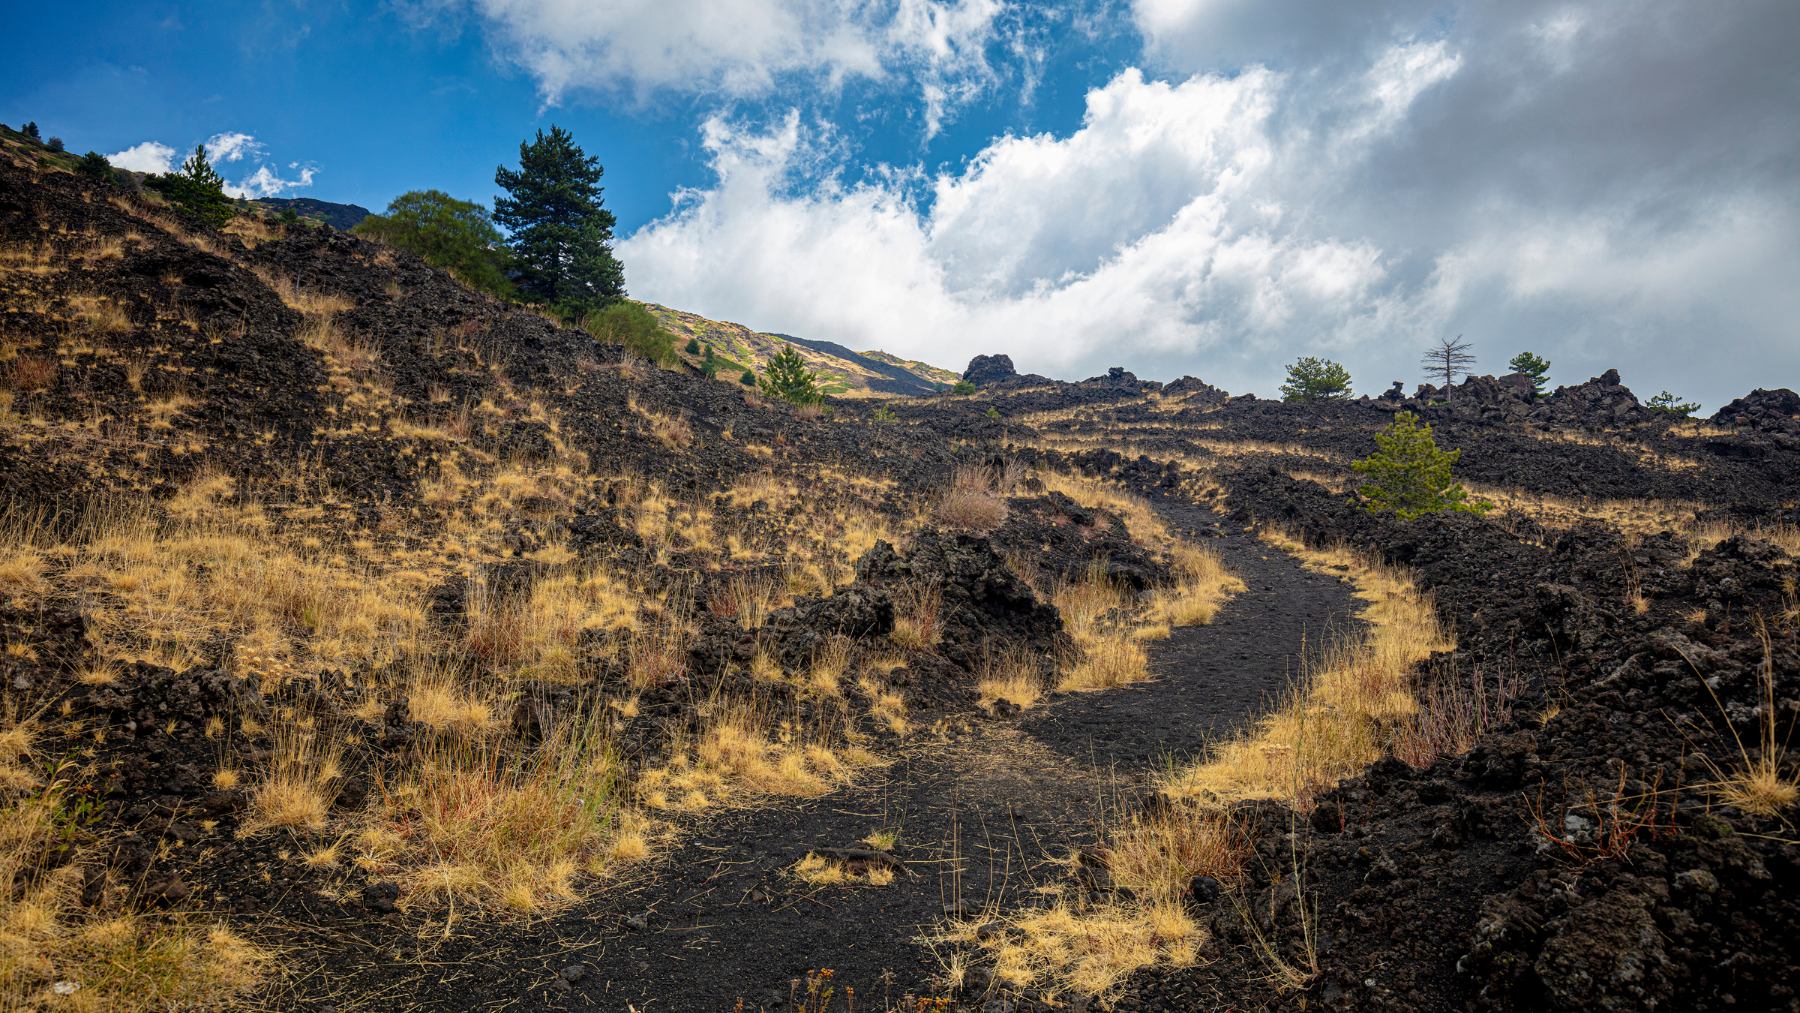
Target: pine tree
point(1533, 366)
point(561, 232)
point(709, 364)
point(198, 190)
point(748, 378)
point(786, 377)
point(1313, 379)
point(1449, 358)
point(1672, 404)
point(1408, 475)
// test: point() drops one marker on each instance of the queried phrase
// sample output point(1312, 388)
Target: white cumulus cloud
point(146, 156)
point(739, 49)
point(232, 146)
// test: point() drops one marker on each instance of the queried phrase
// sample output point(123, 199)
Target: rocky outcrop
point(1775, 410)
point(1197, 391)
point(987, 370)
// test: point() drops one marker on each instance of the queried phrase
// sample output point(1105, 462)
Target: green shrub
point(963, 388)
point(709, 364)
point(749, 378)
point(1314, 379)
point(1408, 475)
point(884, 414)
point(992, 412)
point(456, 235)
point(94, 166)
point(631, 325)
point(786, 377)
point(693, 346)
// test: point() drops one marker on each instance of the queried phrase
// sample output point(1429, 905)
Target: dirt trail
point(978, 818)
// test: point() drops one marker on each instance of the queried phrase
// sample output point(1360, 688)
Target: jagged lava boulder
point(987, 370)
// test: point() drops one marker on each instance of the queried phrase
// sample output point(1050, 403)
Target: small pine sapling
point(1409, 476)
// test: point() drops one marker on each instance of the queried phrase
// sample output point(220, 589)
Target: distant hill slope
point(845, 372)
point(338, 216)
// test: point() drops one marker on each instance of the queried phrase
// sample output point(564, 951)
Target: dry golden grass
point(974, 501)
point(1336, 721)
point(1202, 585)
point(918, 616)
point(295, 791)
point(306, 301)
point(821, 870)
point(104, 960)
point(735, 760)
point(476, 823)
point(1141, 519)
point(1013, 676)
point(1761, 780)
point(1089, 951)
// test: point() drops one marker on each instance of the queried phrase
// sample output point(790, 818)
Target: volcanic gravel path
point(977, 816)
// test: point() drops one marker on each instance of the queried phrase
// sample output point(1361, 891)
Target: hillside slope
point(845, 373)
point(365, 641)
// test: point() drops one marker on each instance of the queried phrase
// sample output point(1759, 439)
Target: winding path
point(977, 817)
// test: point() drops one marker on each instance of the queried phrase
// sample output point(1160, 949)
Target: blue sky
point(1178, 186)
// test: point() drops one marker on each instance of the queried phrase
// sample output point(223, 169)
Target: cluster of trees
point(1311, 379)
point(557, 250)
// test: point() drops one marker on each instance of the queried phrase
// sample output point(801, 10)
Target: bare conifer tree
point(1449, 359)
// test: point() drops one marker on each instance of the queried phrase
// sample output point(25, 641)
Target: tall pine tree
point(561, 232)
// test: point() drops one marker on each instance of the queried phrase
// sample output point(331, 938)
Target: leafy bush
point(1313, 379)
point(631, 325)
point(94, 166)
point(709, 364)
point(54, 144)
point(1672, 404)
point(786, 377)
point(749, 378)
point(963, 388)
point(1408, 475)
point(884, 414)
point(693, 346)
point(456, 235)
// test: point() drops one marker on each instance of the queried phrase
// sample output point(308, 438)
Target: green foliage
point(1672, 404)
point(456, 235)
point(693, 346)
point(1533, 366)
point(709, 364)
point(30, 129)
point(1409, 475)
point(561, 232)
point(963, 388)
point(884, 415)
point(786, 377)
point(992, 412)
point(54, 144)
point(631, 325)
point(197, 191)
point(749, 378)
point(94, 166)
point(1315, 379)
